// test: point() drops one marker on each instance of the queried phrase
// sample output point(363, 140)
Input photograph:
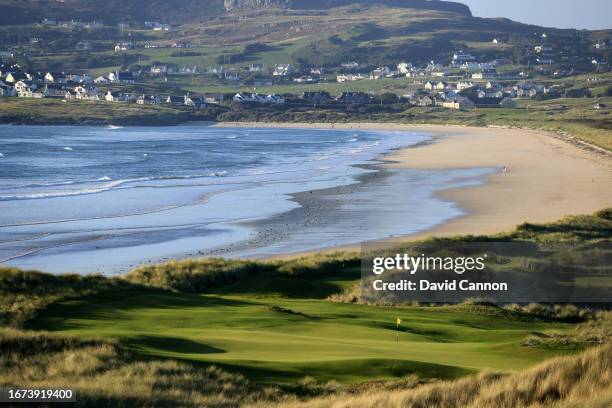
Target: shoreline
point(548, 176)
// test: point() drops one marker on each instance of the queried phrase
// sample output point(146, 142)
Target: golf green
point(273, 339)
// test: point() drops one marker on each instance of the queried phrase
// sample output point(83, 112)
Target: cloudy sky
point(591, 14)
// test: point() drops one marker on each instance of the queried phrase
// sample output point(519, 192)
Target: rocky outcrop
point(254, 4)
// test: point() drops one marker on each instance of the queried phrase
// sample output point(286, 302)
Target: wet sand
point(547, 177)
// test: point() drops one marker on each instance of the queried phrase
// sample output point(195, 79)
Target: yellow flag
point(398, 321)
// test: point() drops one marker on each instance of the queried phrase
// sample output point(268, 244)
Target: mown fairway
point(275, 339)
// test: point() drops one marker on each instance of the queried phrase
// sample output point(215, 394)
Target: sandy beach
point(547, 177)
point(227, 190)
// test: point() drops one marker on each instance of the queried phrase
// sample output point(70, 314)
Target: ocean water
point(81, 199)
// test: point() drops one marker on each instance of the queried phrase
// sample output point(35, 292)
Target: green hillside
point(174, 11)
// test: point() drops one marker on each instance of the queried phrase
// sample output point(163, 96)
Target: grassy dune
point(230, 333)
point(103, 374)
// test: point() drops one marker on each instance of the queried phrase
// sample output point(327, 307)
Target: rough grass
point(102, 374)
point(593, 331)
point(584, 380)
point(197, 275)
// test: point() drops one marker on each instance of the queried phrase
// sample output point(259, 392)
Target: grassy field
point(61, 112)
point(334, 88)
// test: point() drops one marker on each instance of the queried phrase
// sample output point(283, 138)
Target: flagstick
point(398, 321)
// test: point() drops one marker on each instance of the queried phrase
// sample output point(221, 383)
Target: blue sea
point(91, 199)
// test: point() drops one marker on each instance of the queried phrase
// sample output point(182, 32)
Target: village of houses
point(461, 83)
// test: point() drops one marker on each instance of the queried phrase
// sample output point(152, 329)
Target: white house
point(101, 80)
point(458, 102)
point(22, 85)
point(485, 74)
point(124, 46)
point(490, 94)
point(116, 97)
point(257, 67)
point(147, 100)
point(86, 93)
point(440, 86)
point(542, 48)
point(162, 27)
point(404, 67)
point(460, 57)
point(303, 79)
point(439, 73)
point(317, 71)
point(258, 98)
point(121, 77)
point(55, 78)
point(231, 76)
point(214, 99)
point(350, 77)
point(461, 85)
point(158, 69)
point(275, 99)
point(27, 90)
point(283, 70)
point(246, 97)
point(197, 102)
point(415, 73)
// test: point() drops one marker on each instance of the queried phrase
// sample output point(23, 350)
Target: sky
point(589, 14)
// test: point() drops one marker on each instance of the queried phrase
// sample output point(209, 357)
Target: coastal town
point(465, 79)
